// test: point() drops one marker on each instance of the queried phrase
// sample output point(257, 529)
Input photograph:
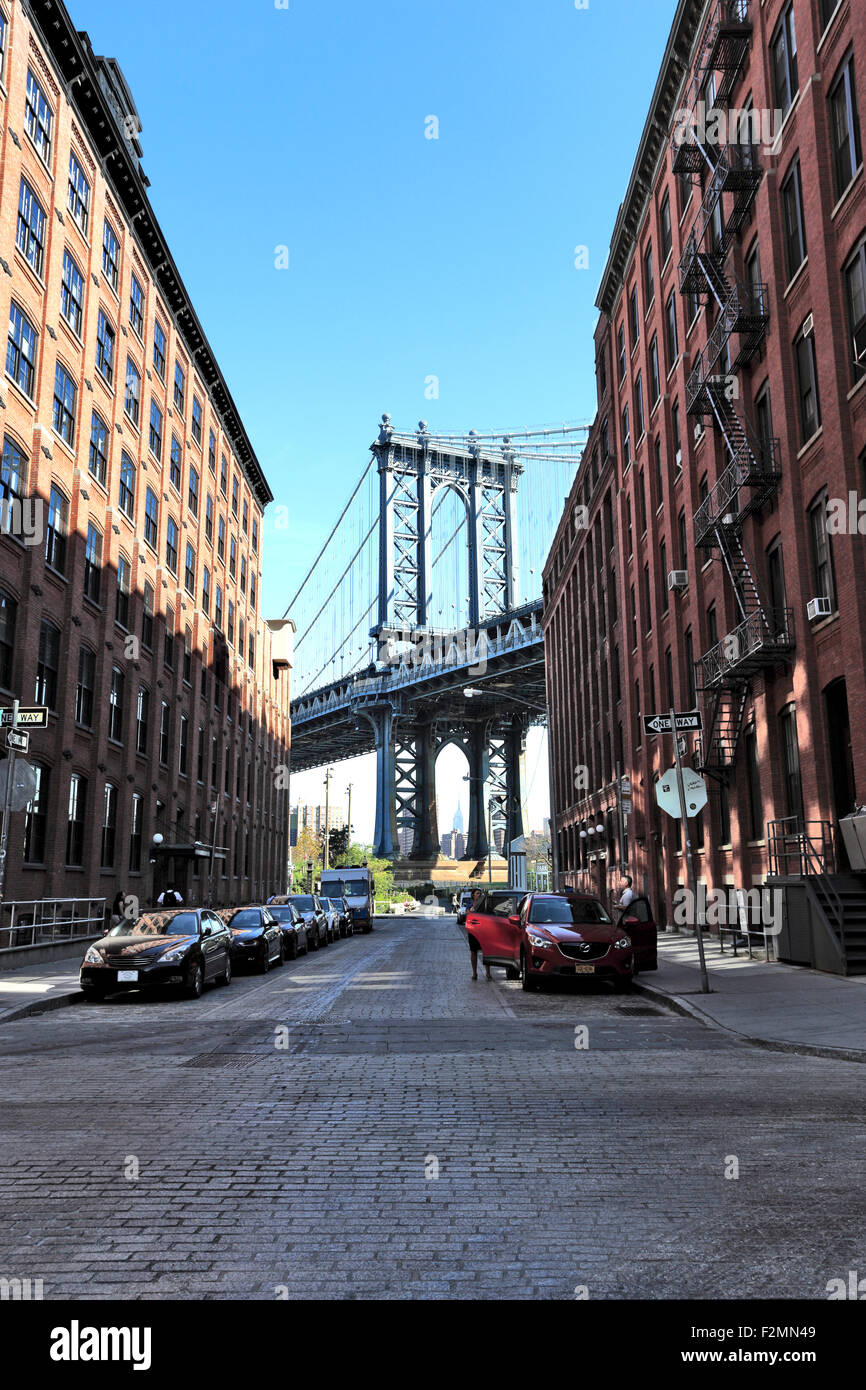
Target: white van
point(356, 886)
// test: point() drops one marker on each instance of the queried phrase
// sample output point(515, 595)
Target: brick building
point(130, 607)
point(700, 561)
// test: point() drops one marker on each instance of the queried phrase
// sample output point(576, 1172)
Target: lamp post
point(328, 775)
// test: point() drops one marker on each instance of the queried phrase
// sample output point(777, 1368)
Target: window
point(164, 733)
point(110, 255)
point(649, 285)
point(667, 240)
point(64, 405)
point(655, 373)
point(175, 464)
point(256, 524)
point(252, 589)
point(221, 539)
point(179, 387)
point(243, 574)
point(211, 453)
point(823, 569)
point(640, 428)
point(626, 438)
point(214, 763)
point(71, 293)
point(641, 501)
point(78, 197)
point(807, 386)
point(671, 329)
point(682, 535)
point(235, 495)
point(224, 476)
point(136, 306)
point(36, 818)
point(109, 826)
point(75, 818)
point(38, 117)
point(663, 574)
point(252, 657)
point(233, 557)
point(142, 721)
point(183, 747)
point(791, 757)
point(205, 590)
point(55, 535)
point(21, 350)
point(777, 593)
point(151, 518)
point(246, 517)
point(136, 833)
point(132, 398)
point(208, 519)
point(633, 619)
point(147, 617)
point(124, 575)
point(620, 351)
point(794, 223)
point(155, 436)
point(159, 349)
point(230, 628)
point(189, 569)
point(48, 665)
point(193, 491)
point(8, 620)
point(783, 61)
point(105, 338)
point(127, 485)
point(187, 655)
point(13, 471)
point(855, 299)
point(92, 563)
point(200, 763)
point(647, 598)
point(196, 419)
point(171, 539)
point(168, 641)
point(677, 436)
point(98, 458)
point(218, 607)
point(115, 704)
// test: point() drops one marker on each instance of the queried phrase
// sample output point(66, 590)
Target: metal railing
point(41, 921)
point(750, 640)
point(755, 464)
point(801, 848)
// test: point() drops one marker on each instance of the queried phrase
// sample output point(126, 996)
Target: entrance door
point(841, 759)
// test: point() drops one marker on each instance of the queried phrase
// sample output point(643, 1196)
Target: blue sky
point(305, 127)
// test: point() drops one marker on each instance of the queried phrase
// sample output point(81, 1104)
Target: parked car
point(180, 946)
point(355, 885)
point(463, 907)
point(555, 935)
point(333, 914)
point(292, 925)
point(347, 926)
point(492, 914)
point(639, 923)
point(256, 936)
point(314, 917)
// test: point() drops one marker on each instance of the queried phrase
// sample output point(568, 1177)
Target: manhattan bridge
point(419, 625)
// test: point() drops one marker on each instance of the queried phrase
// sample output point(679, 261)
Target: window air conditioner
point(678, 579)
point(818, 608)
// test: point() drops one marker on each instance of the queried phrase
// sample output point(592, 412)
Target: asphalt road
point(369, 1122)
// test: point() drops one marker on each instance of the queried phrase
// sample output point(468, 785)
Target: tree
point(306, 848)
point(338, 847)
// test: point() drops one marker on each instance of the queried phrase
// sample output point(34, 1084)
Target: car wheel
point(280, 957)
point(512, 972)
point(265, 962)
point(95, 996)
point(226, 977)
point(526, 978)
point(622, 984)
point(195, 988)
point(291, 947)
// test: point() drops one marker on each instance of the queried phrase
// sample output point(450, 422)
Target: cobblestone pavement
point(368, 1122)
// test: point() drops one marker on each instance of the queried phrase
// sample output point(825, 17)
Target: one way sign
point(689, 722)
point(29, 717)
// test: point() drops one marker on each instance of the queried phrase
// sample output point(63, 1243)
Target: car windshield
point(282, 914)
point(159, 924)
point(304, 903)
point(566, 912)
point(247, 917)
point(354, 888)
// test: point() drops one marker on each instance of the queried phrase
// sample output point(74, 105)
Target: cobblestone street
point(368, 1122)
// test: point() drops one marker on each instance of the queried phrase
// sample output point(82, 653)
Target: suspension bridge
point(418, 625)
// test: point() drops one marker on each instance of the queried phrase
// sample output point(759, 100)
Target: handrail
point(750, 637)
point(40, 916)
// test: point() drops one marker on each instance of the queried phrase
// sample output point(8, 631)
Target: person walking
point(474, 947)
point(117, 909)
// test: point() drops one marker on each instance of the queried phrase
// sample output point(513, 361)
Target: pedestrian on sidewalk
point(628, 894)
point(117, 909)
point(474, 947)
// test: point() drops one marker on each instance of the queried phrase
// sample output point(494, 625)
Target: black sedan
point(256, 937)
point(347, 926)
point(313, 914)
point(181, 946)
point(293, 927)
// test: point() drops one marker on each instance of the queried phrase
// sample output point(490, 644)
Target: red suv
point(558, 934)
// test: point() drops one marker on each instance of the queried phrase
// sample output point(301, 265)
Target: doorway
point(843, 788)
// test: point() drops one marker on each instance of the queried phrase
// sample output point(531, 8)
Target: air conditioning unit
point(818, 608)
point(809, 326)
point(678, 580)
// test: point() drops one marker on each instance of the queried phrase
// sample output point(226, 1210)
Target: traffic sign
point(689, 722)
point(20, 742)
point(694, 787)
point(626, 805)
point(23, 787)
point(29, 716)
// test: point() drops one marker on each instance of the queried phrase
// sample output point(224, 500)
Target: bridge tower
point(411, 470)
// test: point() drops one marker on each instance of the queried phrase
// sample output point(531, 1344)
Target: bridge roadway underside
point(406, 715)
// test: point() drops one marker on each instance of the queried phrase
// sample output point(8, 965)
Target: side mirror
point(514, 921)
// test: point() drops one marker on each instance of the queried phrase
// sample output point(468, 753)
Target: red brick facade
point(782, 673)
point(160, 714)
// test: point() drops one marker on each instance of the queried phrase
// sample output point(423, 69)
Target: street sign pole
point(7, 804)
point(690, 865)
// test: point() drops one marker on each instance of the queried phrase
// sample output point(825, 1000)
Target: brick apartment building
point(132, 608)
point(731, 427)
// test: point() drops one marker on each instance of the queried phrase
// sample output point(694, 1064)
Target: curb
point(683, 1006)
point(43, 1006)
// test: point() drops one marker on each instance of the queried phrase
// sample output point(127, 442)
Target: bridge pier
point(385, 840)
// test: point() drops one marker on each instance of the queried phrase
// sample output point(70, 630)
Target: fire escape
point(729, 175)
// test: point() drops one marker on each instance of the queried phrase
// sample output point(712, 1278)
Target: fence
point(45, 920)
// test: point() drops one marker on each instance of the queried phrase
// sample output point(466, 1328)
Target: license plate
point(127, 977)
point(584, 970)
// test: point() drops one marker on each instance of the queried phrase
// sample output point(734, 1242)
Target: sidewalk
point(36, 989)
point(780, 1006)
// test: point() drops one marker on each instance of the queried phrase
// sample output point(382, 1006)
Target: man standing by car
point(474, 947)
point(628, 894)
